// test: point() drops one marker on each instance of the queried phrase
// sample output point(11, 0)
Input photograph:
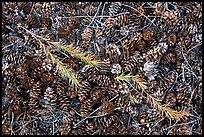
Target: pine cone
point(86, 107)
point(84, 91)
point(184, 130)
point(25, 7)
point(46, 22)
point(170, 18)
point(64, 31)
point(50, 98)
point(34, 98)
point(33, 21)
point(148, 34)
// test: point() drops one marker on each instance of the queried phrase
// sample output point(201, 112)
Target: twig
point(96, 13)
point(141, 14)
point(95, 132)
point(104, 5)
point(11, 125)
point(93, 112)
point(192, 95)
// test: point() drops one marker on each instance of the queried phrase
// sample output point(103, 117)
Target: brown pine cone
point(84, 91)
point(148, 34)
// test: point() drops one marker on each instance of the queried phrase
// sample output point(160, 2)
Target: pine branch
point(123, 78)
point(170, 113)
point(63, 70)
point(75, 52)
point(141, 83)
point(132, 99)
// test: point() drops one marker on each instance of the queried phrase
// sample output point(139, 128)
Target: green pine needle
point(123, 78)
point(65, 72)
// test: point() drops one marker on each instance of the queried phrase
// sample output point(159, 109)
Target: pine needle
point(67, 73)
point(140, 82)
point(123, 78)
point(171, 114)
point(63, 70)
point(132, 99)
point(76, 52)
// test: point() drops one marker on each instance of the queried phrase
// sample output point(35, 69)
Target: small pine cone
point(137, 36)
point(47, 78)
point(105, 69)
point(153, 115)
point(89, 73)
point(60, 87)
point(97, 93)
point(6, 130)
point(170, 99)
point(173, 131)
point(65, 127)
point(121, 102)
point(182, 101)
point(103, 122)
point(86, 107)
point(106, 107)
point(26, 82)
point(16, 105)
point(134, 63)
point(87, 34)
point(142, 117)
point(148, 34)
point(127, 44)
point(84, 91)
point(185, 42)
point(113, 52)
point(103, 81)
point(123, 88)
point(36, 73)
point(141, 46)
point(46, 22)
point(184, 130)
point(133, 111)
point(34, 97)
point(190, 18)
point(159, 10)
point(90, 10)
point(63, 102)
point(74, 23)
point(64, 31)
point(109, 22)
point(114, 8)
point(153, 54)
point(152, 87)
point(167, 82)
point(25, 6)
point(170, 57)
point(170, 18)
point(71, 93)
point(134, 21)
point(112, 33)
point(89, 128)
point(171, 39)
point(198, 11)
point(122, 20)
point(36, 62)
point(33, 21)
point(50, 98)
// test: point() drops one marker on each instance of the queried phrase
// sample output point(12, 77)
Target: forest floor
point(102, 68)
